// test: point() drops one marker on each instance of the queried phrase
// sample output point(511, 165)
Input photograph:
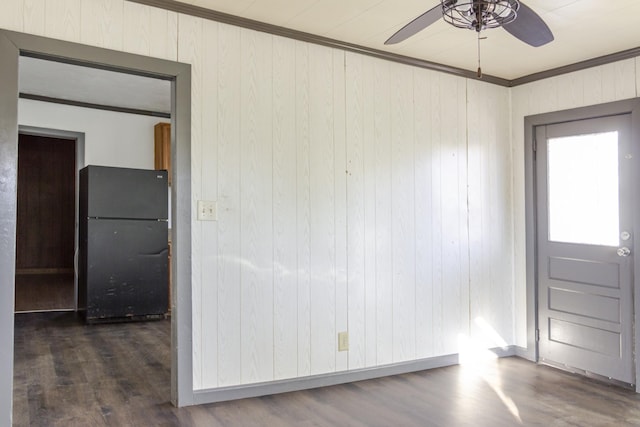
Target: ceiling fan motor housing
point(479, 15)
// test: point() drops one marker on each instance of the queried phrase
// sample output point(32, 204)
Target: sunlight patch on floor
point(479, 363)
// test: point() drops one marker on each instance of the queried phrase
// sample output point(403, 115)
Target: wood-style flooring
point(69, 374)
point(38, 292)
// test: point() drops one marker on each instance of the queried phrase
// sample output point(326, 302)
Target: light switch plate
point(207, 210)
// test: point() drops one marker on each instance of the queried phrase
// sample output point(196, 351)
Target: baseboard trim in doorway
point(45, 311)
point(525, 353)
point(304, 383)
point(44, 271)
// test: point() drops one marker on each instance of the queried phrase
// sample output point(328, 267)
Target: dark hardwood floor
point(38, 292)
point(69, 374)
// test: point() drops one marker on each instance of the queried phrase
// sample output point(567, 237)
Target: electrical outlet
point(207, 210)
point(343, 341)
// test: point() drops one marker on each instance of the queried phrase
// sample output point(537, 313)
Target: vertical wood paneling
point(625, 71)
point(570, 89)
point(355, 208)
point(137, 28)
point(34, 19)
point(403, 213)
point(303, 206)
point(504, 210)
point(519, 236)
point(438, 93)
point(191, 48)
point(256, 220)
point(489, 217)
point(460, 248)
point(163, 34)
point(369, 168)
point(11, 16)
point(454, 287)
point(593, 86)
point(62, 19)
point(285, 298)
point(209, 191)
point(477, 204)
point(102, 23)
point(229, 256)
point(423, 210)
point(461, 151)
point(608, 82)
point(340, 195)
point(549, 97)
point(322, 211)
point(383, 225)
point(151, 31)
point(520, 108)
point(616, 80)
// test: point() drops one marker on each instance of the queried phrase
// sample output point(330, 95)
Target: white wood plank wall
point(606, 83)
point(353, 194)
point(490, 220)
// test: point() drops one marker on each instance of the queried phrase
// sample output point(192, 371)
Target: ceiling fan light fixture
point(479, 15)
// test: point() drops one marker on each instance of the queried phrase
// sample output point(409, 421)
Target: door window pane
point(583, 189)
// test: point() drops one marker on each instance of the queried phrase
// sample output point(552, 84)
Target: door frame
point(14, 44)
point(629, 106)
point(78, 138)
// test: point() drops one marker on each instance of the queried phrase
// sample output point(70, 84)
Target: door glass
point(583, 189)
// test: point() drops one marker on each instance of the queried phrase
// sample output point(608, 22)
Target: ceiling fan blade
point(417, 25)
point(529, 28)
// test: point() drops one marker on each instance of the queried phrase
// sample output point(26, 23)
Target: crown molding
point(197, 11)
point(226, 18)
point(582, 65)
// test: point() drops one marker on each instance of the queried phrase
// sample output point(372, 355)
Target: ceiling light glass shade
point(479, 15)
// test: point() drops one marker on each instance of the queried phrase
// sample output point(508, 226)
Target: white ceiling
point(94, 86)
point(583, 29)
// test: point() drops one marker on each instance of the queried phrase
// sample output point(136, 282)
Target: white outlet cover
point(343, 341)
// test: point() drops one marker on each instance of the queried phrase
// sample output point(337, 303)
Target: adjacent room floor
point(69, 374)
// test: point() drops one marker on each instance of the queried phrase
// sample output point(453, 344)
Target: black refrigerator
point(123, 244)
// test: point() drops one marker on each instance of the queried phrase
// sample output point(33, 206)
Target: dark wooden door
point(45, 226)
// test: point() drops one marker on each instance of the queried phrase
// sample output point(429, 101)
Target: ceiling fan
point(515, 17)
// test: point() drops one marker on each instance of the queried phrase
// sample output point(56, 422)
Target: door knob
point(624, 251)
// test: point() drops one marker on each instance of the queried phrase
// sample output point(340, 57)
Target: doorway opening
point(46, 232)
point(12, 46)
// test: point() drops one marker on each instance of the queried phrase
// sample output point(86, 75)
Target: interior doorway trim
point(78, 137)
point(629, 106)
point(14, 44)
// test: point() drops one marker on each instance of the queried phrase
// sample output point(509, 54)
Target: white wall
point(606, 83)
point(353, 194)
point(342, 186)
point(111, 138)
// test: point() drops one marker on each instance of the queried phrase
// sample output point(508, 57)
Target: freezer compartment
point(125, 264)
point(108, 192)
